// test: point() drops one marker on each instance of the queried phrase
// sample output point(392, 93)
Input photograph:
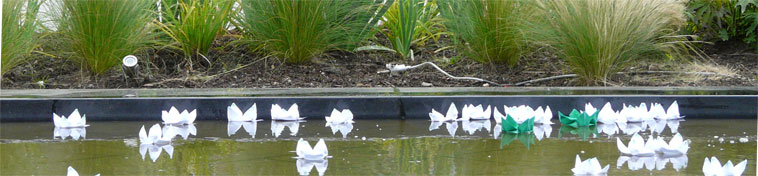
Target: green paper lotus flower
point(510, 125)
point(577, 119)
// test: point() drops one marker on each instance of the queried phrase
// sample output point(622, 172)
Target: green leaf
point(374, 48)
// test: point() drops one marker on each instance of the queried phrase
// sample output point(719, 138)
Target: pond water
point(368, 147)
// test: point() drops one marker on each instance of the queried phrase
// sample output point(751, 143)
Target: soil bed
point(236, 67)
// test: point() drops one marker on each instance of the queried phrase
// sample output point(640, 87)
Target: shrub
point(488, 30)
point(19, 37)
point(411, 22)
point(99, 33)
point(597, 38)
point(724, 19)
point(196, 26)
point(296, 30)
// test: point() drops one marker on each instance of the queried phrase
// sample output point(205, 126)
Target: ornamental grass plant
point(196, 26)
point(19, 31)
point(99, 33)
point(411, 22)
point(597, 38)
point(488, 31)
point(296, 31)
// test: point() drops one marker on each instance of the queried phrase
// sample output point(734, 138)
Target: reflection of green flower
point(525, 138)
point(511, 126)
point(577, 119)
point(583, 132)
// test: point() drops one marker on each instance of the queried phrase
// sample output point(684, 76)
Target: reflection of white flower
point(589, 109)
point(234, 126)
point(293, 114)
point(318, 152)
point(75, 133)
point(637, 146)
point(344, 128)
point(155, 136)
point(637, 162)
point(608, 128)
point(472, 126)
point(277, 127)
point(677, 163)
point(588, 167)
point(452, 114)
point(182, 130)
point(173, 116)
point(156, 150)
point(73, 120)
point(470, 111)
point(304, 167)
point(713, 167)
point(542, 131)
point(72, 172)
point(234, 113)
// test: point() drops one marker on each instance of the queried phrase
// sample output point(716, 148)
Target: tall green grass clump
point(97, 34)
point(597, 38)
point(19, 31)
point(488, 31)
point(196, 26)
point(296, 30)
point(411, 22)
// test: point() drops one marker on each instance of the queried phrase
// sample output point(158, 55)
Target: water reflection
point(525, 138)
point(451, 126)
point(250, 127)
point(542, 131)
point(631, 128)
point(659, 126)
point(652, 162)
point(471, 126)
point(156, 150)
point(304, 167)
point(74, 133)
point(179, 130)
point(277, 127)
point(344, 128)
point(609, 129)
point(583, 132)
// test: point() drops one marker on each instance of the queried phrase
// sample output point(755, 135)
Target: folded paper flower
point(154, 137)
point(452, 114)
point(471, 112)
point(713, 167)
point(292, 114)
point(637, 146)
point(345, 116)
point(577, 119)
point(234, 113)
point(675, 147)
point(510, 125)
point(588, 167)
point(318, 152)
point(73, 121)
point(174, 117)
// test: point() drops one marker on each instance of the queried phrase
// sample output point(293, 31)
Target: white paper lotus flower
point(184, 131)
point(173, 116)
point(74, 133)
point(498, 129)
point(344, 128)
point(637, 146)
point(318, 152)
point(657, 111)
point(155, 151)
point(637, 162)
point(471, 112)
point(589, 109)
point(452, 114)
point(541, 131)
point(521, 113)
point(74, 120)
point(72, 172)
point(498, 116)
point(677, 163)
point(636, 113)
point(589, 167)
point(346, 116)
point(675, 147)
point(543, 116)
point(713, 167)
point(607, 115)
point(672, 112)
point(234, 126)
point(234, 113)
point(304, 167)
point(471, 126)
point(277, 127)
point(293, 114)
point(155, 137)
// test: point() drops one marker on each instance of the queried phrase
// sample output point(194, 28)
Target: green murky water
point(390, 147)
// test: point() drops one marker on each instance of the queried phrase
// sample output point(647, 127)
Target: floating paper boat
point(713, 167)
point(576, 119)
point(174, 117)
point(277, 127)
point(318, 152)
point(234, 113)
point(588, 167)
point(293, 114)
point(74, 133)
point(471, 112)
point(452, 114)
point(73, 121)
point(250, 127)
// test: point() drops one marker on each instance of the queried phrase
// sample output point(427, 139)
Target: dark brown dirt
point(236, 67)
